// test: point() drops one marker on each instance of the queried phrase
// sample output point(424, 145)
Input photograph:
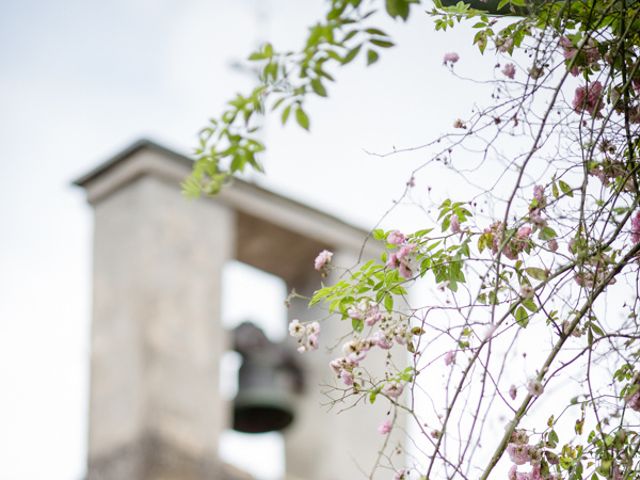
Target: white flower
point(296, 329)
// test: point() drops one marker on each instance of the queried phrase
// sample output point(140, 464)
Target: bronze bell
point(268, 380)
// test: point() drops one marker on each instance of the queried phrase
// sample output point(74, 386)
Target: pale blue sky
point(80, 79)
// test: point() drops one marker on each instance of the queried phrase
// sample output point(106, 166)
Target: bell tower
point(157, 337)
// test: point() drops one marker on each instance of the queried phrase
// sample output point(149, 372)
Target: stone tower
point(157, 339)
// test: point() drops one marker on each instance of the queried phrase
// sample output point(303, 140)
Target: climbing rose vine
point(525, 288)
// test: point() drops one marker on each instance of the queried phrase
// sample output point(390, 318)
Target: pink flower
point(450, 58)
point(400, 475)
point(346, 377)
point(405, 250)
point(509, 70)
point(633, 401)
point(589, 99)
point(323, 258)
point(396, 238)
point(519, 454)
point(296, 329)
point(523, 232)
point(552, 245)
point(538, 194)
point(635, 228)
point(384, 427)
point(535, 388)
point(513, 391)
point(535, 216)
point(373, 316)
point(455, 224)
point(449, 358)
point(380, 339)
point(312, 342)
point(393, 390)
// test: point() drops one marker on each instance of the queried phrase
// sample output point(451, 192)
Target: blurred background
point(81, 79)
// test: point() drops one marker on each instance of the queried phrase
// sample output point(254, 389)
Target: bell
point(268, 381)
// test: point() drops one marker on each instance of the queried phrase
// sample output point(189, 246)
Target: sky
point(81, 79)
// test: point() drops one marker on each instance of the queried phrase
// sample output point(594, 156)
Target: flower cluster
point(450, 58)
point(588, 57)
point(400, 259)
point(307, 335)
point(520, 453)
point(389, 332)
point(516, 243)
point(322, 260)
point(367, 311)
point(588, 99)
point(635, 228)
point(509, 70)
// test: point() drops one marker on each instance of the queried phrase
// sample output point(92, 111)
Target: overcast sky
point(81, 79)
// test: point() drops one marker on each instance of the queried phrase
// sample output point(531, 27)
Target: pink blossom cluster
point(588, 99)
point(509, 70)
point(322, 260)
point(635, 228)
point(589, 55)
point(307, 335)
point(633, 401)
point(537, 206)
point(367, 311)
point(450, 58)
point(520, 453)
point(400, 259)
point(517, 244)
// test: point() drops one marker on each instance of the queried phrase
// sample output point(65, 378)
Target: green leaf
point(388, 302)
point(522, 317)
point(547, 233)
point(351, 54)
point(537, 273)
point(566, 189)
point(382, 43)
point(372, 57)
point(285, 114)
point(318, 88)
point(302, 118)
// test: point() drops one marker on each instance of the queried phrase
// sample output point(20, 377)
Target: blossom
point(509, 70)
point(523, 232)
point(535, 388)
point(400, 475)
point(589, 99)
point(373, 316)
point(635, 228)
point(538, 194)
point(552, 245)
point(396, 238)
point(458, 123)
point(449, 358)
point(312, 342)
point(633, 401)
point(450, 58)
point(504, 44)
point(513, 391)
point(535, 216)
point(455, 224)
point(296, 329)
point(323, 258)
point(393, 390)
point(526, 291)
point(313, 328)
point(400, 261)
point(384, 427)
point(380, 339)
point(346, 377)
point(519, 454)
